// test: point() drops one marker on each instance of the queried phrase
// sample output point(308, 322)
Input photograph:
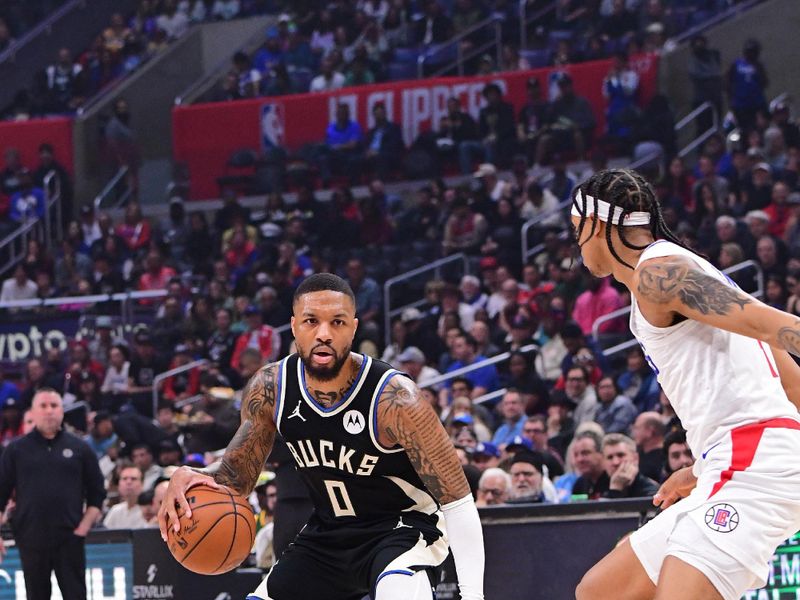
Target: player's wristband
point(466, 541)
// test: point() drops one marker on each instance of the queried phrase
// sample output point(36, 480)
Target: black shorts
point(346, 562)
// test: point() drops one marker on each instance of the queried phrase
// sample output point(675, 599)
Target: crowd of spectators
point(119, 49)
point(366, 41)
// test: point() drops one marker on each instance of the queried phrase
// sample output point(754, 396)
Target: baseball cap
point(181, 349)
point(463, 419)
point(194, 460)
point(411, 354)
point(519, 443)
point(488, 262)
point(762, 166)
point(103, 322)
point(530, 457)
point(486, 449)
point(410, 314)
point(284, 18)
point(251, 309)
point(143, 337)
point(485, 169)
point(756, 214)
point(169, 445)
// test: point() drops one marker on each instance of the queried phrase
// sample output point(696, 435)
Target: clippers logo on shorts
point(722, 518)
point(67, 453)
point(353, 422)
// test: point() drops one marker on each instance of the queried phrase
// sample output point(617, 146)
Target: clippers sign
point(205, 135)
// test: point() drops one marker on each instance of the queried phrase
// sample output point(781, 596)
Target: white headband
point(602, 209)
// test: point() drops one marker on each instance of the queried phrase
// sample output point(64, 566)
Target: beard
point(324, 372)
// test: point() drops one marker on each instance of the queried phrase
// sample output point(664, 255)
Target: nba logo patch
point(273, 126)
point(722, 518)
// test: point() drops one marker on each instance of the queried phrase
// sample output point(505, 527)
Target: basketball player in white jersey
point(722, 358)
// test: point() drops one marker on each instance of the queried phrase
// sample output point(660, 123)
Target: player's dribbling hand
point(678, 485)
point(180, 482)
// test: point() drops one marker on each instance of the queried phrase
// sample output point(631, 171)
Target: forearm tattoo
point(666, 281)
point(789, 338)
point(411, 422)
point(248, 450)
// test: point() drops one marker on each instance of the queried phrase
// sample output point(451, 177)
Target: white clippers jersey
point(714, 379)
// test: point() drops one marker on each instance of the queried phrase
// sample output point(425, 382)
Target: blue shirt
point(485, 377)
point(336, 137)
point(505, 433)
point(26, 206)
point(8, 390)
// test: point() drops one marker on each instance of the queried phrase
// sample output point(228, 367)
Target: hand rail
point(117, 297)
point(717, 18)
point(526, 252)
point(190, 94)
point(43, 25)
point(29, 228)
point(489, 396)
point(166, 374)
point(757, 293)
point(456, 39)
point(109, 187)
point(474, 366)
point(436, 265)
point(712, 129)
point(525, 20)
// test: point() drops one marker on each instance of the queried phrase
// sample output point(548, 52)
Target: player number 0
point(342, 506)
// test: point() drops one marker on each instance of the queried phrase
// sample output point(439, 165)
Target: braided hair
point(628, 190)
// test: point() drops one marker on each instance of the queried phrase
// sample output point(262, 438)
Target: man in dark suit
point(384, 143)
point(435, 27)
point(497, 126)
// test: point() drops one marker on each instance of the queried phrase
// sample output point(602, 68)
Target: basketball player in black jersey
point(383, 474)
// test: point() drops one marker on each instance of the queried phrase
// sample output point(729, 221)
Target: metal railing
point(15, 244)
point(700, 139)
point(625, 310)
point(167, 374)
point(113, 186)
point(533, 222)
point(494, 21)
point(718, 18)
point(436, 266)
point(490, 396)
point(525, 20)
point(43, 26)
point(206, 82)
point(497, 358)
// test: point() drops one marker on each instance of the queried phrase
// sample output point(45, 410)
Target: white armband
point(466, 541)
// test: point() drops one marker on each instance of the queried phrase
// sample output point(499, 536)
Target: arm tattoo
point(663, 282)
point(410, 422)
point(789, 338)
point(248, 450)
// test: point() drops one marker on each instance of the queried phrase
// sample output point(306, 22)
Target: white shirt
point(321, 84)
point(714, 379)
point(116, 380)
point(174, 26)
point(120, 516)
point(12, 291)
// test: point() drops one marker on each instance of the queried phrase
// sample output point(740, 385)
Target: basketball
point(218, 536)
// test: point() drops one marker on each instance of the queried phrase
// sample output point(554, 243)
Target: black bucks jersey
point(352, 477)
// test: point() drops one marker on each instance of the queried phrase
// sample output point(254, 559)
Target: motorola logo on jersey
point(722, 518)
point(353, 422)
point(323, 453)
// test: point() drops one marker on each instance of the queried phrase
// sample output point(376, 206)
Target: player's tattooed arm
point(678, 285)
point(681, 285)
point(248, 450)
point(406, 419)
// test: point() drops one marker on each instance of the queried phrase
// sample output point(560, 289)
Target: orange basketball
point(218, 536)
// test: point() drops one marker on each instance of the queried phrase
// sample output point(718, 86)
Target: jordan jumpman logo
point(296, 413)
point(401, 524)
